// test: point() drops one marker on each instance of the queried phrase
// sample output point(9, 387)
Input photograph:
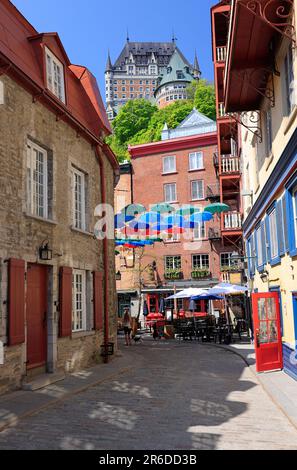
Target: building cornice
point(179, 143)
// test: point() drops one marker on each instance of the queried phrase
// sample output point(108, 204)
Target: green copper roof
point(177, 70)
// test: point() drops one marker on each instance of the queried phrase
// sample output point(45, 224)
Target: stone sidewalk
point(20, 404)
point(281, 388)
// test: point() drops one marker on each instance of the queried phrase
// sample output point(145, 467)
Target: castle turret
point(196, 68)
point(172, 85)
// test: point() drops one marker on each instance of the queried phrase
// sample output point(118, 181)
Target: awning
point(187, 293)
point(256, 28)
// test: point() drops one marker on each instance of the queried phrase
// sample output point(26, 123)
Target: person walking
point(127, 324)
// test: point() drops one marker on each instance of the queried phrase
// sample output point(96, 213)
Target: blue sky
point(88, 28)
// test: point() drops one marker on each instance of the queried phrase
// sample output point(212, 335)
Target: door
point(153, 303)
point(268, 340)
point(36, 315)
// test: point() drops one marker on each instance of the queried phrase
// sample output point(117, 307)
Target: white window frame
point(53, 66)
point(197, 157)
point(199, 232)
point(171, 199)
point(80, 174)
point(195, 182)
point(175, 262)
point(273, 234)
point(200, 264)
point(172, 167)
point(33, 196)
point(229, 255)
point(79, 315)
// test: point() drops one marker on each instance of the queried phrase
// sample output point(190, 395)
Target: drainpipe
point(105, 257)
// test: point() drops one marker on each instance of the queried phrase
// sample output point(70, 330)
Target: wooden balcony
point(230, 164)
point(221, 54)
point(232, 220)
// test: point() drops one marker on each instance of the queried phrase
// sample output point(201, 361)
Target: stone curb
point(12, 422)
point(293, 421)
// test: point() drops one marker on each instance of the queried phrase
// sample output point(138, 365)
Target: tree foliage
point(139, 121)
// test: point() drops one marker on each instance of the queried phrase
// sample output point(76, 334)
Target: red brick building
point(180, 170)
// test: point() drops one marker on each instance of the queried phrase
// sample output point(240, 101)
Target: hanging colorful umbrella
point(217, 208)
point(135, 225)
point(151, 218)
point(160, 228)
point(200, 217)
point(120, 220)
point(133, 209)
point(162, 208)
point(187, 210)
point(174, 219)
point(176, 230)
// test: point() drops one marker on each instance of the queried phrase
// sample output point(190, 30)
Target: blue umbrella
point(161, 227)
point(121, 219)
point(175, 219)
point(138, 225)
point(206, 296)
point(150, 218)
point(199, 217)
point(162, 305)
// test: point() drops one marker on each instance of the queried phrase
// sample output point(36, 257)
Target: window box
point(173, 274)
point(200, 273)
point(235, 268)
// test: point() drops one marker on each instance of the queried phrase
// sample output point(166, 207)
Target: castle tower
point(173, 84)
point(134, 75)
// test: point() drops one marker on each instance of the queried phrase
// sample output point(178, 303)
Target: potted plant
point(200, 273)
point(173, 274)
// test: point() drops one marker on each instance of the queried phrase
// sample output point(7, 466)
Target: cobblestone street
point(177, 396)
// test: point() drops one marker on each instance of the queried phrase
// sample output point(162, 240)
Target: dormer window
point(55, 75)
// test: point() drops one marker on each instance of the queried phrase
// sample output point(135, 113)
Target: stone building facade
point(138, 71)
point(57, 288)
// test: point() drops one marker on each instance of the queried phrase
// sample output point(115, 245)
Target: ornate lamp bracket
point(251, 120)
point(279, 17)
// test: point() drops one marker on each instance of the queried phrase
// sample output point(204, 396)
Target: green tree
point(172, 114)
point(205, 99)
point(133, 117)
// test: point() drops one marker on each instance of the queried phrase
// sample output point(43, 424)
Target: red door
point(268, 341)
point(36, 308)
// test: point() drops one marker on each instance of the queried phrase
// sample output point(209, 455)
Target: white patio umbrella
point(231, 288)
point(187, 293)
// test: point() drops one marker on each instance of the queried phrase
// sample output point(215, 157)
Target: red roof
point(23, 47)
point(175, 144)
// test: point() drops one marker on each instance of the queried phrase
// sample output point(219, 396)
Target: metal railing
point(232, 220)
point(221, 54)
point(230, 164)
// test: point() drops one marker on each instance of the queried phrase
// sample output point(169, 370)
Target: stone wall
point(21, 234)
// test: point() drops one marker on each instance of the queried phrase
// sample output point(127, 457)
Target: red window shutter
point(98, 300)
point(65, 302)
point(16, 316)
